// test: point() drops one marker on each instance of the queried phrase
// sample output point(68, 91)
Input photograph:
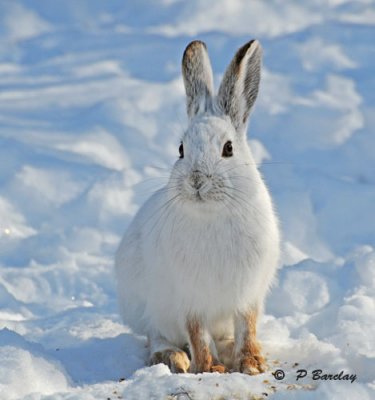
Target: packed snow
point(92, 109)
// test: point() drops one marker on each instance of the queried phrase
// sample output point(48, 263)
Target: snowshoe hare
point(196, 262)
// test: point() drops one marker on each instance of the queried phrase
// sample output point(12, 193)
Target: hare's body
point(197, 261)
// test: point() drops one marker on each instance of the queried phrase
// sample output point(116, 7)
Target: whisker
point(277, 163)
point(238, 191)
point(244, 206)
point(164, 208)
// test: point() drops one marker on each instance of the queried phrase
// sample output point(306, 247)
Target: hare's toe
point(177, 360)
point(218, 367)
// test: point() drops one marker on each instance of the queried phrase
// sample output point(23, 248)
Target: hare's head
point(215, 160)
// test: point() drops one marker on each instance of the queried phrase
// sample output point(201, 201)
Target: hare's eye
point(181, 150)
point(228, 149)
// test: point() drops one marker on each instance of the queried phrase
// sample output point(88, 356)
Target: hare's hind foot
point(164, 352)
point(177, 360)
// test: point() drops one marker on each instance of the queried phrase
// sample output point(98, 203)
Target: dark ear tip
point(193, 47)
point(241, 52)
point(252, 45)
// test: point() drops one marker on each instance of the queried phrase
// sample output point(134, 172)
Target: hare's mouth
point(202, 193)
point(198, 196)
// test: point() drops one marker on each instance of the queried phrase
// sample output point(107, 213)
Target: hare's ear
point(239, 88)
point(197, 74)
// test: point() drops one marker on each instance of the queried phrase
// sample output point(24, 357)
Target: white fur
point(212, 256)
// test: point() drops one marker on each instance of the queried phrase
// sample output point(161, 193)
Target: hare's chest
point(207, 247)
point(214, 265)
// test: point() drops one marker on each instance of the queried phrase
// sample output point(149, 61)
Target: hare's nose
point(196, 179)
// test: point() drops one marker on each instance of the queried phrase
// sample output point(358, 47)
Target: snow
point(91, 113)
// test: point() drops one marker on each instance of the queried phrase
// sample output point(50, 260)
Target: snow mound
point(25, 369)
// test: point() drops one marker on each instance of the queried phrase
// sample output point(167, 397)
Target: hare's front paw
point(218, 367)
point(177, 360)
point(202, 359)
point(208, 365)
point(251, 363)
point(248, 357)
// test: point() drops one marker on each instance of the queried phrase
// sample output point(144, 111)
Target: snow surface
point(91, 113)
